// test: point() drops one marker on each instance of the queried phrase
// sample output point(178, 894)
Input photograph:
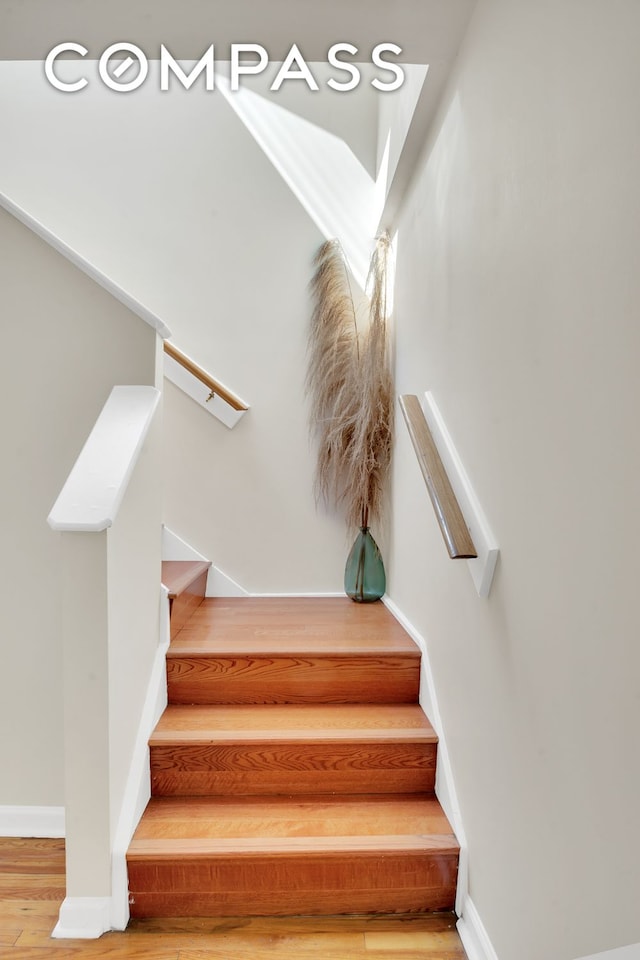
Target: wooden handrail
point(217, 390)
point(450, 519)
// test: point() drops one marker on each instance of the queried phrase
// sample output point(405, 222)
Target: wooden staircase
point(293, 770)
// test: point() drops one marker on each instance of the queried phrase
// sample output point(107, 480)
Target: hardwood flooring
point(32, 888)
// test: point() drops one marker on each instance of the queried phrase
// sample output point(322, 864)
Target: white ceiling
point(428, 31)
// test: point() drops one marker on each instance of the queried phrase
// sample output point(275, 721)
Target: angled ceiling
point(429, 31)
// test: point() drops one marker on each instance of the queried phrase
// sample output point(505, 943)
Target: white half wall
point(110, 573)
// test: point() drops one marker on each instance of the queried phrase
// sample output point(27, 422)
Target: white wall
point(65, 342)
point(172, 198)
point(517, 305)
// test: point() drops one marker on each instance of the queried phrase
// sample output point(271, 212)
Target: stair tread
point(285, 824)
point(269, 722)
point(331, 626)
point(236, 847)
point(178, 575)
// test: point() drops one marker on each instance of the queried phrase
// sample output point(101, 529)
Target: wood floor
point(32, 888)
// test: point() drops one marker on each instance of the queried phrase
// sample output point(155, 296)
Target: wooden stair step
point(186, 581)
point(301, 651)
point(274, 721)
point(283, 749)
point(183, 818)
point(335, 621)
point(179, 575)
point(309, 854)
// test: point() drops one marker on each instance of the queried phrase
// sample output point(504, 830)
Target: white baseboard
point(220, 585)
point(28, 821)
point(478, 946)
point(175, 548)
point(284, 596)
point(475, 938)
point(83, 918)
point(445, 786)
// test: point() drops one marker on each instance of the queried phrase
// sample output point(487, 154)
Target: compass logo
point(124, 67)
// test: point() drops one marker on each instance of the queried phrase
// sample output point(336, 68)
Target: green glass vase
point(364, 576)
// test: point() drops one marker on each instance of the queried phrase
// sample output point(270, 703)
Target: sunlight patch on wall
point(327, 178)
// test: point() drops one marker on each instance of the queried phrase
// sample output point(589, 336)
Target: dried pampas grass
point(350, 385)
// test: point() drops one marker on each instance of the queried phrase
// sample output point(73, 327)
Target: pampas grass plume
point(350, 385)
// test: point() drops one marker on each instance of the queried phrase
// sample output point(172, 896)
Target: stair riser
point(258, 886)
point(282, 768)
point(312, 679)
point(183, 606)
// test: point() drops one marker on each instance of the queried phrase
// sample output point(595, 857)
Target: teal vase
point(364, 577)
